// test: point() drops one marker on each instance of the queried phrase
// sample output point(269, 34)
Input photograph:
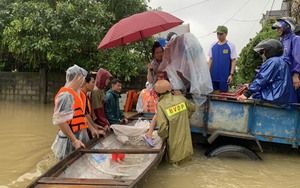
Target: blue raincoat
point(273, 83)
point(291, 45)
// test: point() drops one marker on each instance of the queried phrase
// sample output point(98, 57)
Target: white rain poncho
point(62, 146)
point(185, 55)
point(141, 106)
point(64, 111)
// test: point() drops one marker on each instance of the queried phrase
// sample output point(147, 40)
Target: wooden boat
point(96, 166)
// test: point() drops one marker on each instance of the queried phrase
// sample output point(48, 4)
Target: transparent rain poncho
point(186, 56)
point(187, 66)
point(63, 110)
point(141, 106)
point(62, 146)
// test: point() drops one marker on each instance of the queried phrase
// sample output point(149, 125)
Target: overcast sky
point(241, 17)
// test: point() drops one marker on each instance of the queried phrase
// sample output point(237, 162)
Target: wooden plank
point(77, 186)
point(138, 116)
point(143, 117)
point(215, 134)
point(150, 168)
point(127, 151)
point(63, 164)
point(81, 181)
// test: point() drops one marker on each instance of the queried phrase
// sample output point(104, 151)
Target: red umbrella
point(138, 26)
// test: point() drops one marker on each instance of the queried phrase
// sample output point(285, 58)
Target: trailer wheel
point(233, 151)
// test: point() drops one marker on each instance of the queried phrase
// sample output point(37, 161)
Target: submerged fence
point(39, 87)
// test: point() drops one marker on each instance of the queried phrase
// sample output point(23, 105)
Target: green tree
point(130, 60)
point(27, 36)
point(124, 8)
point(249, 60)
point(6, 58)
point(57, 34)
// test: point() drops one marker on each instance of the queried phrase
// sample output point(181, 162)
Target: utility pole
point(288, 7)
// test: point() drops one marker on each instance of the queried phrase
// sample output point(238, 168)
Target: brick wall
point(54, 82)
point(25, 86)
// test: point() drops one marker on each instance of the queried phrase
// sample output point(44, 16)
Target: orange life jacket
point(129, 100)
point(79, 121)
point(148, 102)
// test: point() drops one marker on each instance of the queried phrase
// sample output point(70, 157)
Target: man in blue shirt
point(222, 61)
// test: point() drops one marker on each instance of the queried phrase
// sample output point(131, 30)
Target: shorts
point(222, 86)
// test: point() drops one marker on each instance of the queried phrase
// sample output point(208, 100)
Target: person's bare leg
point(152, 126)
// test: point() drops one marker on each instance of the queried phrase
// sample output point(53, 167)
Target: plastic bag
point(131, 133)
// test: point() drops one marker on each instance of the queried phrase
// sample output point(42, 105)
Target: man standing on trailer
point(222, 61)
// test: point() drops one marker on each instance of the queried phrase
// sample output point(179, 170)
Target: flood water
point(27, 133)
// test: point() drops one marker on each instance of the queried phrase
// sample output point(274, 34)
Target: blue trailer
point(248, 121)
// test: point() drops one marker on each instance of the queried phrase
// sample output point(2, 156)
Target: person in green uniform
point(173, 112)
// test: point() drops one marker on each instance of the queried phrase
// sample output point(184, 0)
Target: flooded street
point(274, 171)
point(27, 134)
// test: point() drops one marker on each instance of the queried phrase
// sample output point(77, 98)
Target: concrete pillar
point(43, 85)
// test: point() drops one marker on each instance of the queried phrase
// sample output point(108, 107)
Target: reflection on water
point(27, 134)
point(276, 171)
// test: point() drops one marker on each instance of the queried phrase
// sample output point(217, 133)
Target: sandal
point(149, 141)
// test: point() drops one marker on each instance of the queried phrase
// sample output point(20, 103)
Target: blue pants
point(222, 86)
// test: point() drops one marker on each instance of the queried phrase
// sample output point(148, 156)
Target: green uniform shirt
point(174, 126)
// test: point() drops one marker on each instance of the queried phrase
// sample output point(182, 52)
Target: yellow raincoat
point(173, 112)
